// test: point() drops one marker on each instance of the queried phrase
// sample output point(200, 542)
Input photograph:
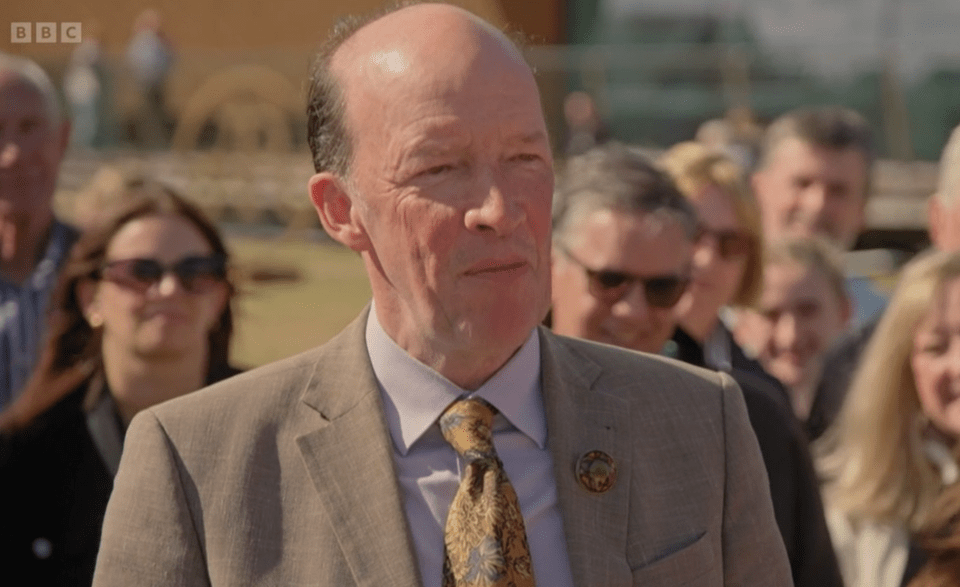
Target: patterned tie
point(485, 541)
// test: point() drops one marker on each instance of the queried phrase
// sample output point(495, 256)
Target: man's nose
point(633, 305)
point(815, 199)
point(705, 252)
point(497, 211)
point(9, 153)
point(786, 331)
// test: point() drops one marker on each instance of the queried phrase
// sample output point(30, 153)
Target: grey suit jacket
point(285, 476)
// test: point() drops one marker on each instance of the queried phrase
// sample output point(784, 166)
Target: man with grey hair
point(623, 248)
point(33, 243)
point(443, 438)
point(618, 222)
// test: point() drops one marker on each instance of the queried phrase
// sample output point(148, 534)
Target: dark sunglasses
point(731, 244)
point(196, 274)
point(660, 291)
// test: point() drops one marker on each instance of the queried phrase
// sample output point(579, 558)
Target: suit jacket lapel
point(350, 460)
point(581, 419)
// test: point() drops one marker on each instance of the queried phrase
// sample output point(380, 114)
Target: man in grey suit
point(329, 468)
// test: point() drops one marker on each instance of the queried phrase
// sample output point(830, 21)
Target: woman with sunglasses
point(141, 315)
point(727, 258)
point(727, 269)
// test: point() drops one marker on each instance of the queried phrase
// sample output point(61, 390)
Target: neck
point(22, 244)
point(467, 370)
point(136, 383)
point(699, 325)
point(468, 366)
point(801, 398)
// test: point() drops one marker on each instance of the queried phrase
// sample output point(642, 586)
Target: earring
point(95, 320)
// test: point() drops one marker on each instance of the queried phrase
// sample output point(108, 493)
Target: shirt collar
point(415, 395)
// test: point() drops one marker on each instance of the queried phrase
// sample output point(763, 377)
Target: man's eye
point(525, 157)
point(27, 126)
point(769, 316)
point(437, 169)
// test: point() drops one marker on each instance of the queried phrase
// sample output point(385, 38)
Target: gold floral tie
point(484, 541)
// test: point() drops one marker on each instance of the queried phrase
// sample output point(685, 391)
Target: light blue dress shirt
point(429, 470)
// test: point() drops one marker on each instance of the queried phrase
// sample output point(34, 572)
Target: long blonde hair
point(872, 458)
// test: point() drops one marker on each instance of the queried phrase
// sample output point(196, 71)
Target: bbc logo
point(45, 32)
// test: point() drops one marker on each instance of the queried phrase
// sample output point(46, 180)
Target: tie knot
point(467, 425)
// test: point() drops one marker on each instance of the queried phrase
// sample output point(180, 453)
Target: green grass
point(276, 319)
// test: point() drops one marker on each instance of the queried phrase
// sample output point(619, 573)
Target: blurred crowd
point(725, 251)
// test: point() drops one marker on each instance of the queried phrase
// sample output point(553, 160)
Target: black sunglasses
point(731, 244)
point(197, 274)
point(660, 291)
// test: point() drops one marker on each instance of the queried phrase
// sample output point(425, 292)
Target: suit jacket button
point(596, 471)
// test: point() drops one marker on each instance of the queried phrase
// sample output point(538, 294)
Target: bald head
point(16, 71)
point(32, 142)
point(422, 35)
point(364, 56)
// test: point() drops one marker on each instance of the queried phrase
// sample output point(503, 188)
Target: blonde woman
point(727, 261)
point(728, 257)
point(888, 455)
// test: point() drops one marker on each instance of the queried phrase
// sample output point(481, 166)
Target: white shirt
point(429, 470)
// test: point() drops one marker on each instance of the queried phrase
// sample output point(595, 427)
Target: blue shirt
point(23, 314)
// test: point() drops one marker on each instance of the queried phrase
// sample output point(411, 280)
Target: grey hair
point(948, 184)
point(616, 177)
point(29, 72)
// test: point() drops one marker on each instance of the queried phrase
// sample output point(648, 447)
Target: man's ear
point(336, 211)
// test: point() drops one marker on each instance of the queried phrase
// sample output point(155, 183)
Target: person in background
point(623, 248)
point(358, 462)
point(813, 179)
point(33, 243)
point(150, 57)
point(887, 457)
point(813, 176)
point(141, 315)
point(936, 549)
point(737, 135)
point(727, 257)
point(585, 128)
point(86, 89)
point(943, 219)
point(802, 310)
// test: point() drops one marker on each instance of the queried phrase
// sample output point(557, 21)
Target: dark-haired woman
point(141, 315)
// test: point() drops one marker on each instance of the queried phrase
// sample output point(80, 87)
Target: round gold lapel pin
point(596, 471)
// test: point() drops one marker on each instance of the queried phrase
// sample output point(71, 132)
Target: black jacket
point(56, 476)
